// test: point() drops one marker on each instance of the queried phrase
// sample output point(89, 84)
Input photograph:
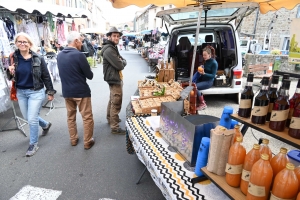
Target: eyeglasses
point(22, 42)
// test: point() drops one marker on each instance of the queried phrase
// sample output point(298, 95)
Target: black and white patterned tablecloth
point(167, 168)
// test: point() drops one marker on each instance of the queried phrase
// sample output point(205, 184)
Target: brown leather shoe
point(109, 121)
point(90, 144)
point(75, 142)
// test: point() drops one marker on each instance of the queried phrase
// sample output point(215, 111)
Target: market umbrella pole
point(196, 42)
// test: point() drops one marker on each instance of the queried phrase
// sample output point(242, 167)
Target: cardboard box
point(184, 134)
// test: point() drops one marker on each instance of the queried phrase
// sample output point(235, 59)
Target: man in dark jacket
point(74, 70)
point(113, 64)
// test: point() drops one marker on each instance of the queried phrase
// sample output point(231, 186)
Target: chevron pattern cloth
point(167, 168)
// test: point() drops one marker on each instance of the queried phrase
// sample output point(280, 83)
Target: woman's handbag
point(13, 90)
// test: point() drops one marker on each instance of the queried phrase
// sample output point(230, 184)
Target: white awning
point(29, 7)
point(93, 30)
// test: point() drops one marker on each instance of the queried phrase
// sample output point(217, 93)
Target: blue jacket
point(74, 69)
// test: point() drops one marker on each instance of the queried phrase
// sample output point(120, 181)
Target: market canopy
point(29, 7)
point(264, 5)
point(93, 30)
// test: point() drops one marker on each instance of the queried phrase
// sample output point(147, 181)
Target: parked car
point(219, 32)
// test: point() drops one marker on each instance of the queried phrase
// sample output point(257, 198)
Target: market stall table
point(168, 169)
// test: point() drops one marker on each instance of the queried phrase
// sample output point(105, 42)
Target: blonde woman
point(30, 73)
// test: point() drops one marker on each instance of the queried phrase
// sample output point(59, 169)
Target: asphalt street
point(106, 170)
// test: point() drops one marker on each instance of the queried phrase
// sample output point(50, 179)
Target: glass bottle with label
point(293, 103)
point(286, 184)
point(294, 130)
point(261, 104)
point(237, 133)
point(281, 108)
point(264, 148)
point(246, 98)
point(234, 166)
point(260, 179)
point(279, 161)
point(273, 94)
point(251, 158)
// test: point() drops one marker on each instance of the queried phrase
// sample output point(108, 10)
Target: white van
point(218, 30)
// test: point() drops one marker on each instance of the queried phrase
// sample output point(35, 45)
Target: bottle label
point(260, 110)
point(279, 115)
point(246, 175)
point(257, 191)
point(245, 103)
point(234, 169)
point(291, 112)
point(295, 123)
point(270, 107)
point(273, 197)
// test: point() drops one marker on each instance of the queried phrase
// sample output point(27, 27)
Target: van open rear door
point(206, 12)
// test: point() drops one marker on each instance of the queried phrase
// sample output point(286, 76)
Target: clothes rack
point(20, 122)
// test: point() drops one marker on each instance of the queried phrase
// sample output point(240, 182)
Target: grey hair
point(73, 35)
point(29, 39)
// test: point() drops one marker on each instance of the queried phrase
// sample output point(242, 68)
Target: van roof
point(221, 12)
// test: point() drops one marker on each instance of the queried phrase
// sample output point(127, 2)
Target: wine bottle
point(281, 108)
point(294, 100)
point(285, 77)
point(246, 98)
point(273, 94)
point(294, 130)
point(261, 104)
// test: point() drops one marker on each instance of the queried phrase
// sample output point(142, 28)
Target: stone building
point(280, 33)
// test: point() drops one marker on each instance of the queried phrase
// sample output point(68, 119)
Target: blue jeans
point(203, 85)
point(30, 103)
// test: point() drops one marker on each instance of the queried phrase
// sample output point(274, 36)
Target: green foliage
point(91, 61)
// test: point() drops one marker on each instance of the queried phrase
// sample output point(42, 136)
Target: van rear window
point(211, 13)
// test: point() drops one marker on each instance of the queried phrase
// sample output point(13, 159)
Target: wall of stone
point(280, 62)
point(280, 28)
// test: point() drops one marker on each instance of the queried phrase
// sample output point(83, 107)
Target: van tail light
point(238, 82)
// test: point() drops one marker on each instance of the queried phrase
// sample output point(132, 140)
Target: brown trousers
point(114, 105)
point(85, 109)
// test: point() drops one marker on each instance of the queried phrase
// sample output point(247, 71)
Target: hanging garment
point(33, 32)
point(60, 32)
point(11, 28)
point(73, 26)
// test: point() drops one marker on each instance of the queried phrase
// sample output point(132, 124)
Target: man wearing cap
point(113, 64)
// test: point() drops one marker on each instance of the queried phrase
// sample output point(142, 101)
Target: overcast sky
point(115, 16)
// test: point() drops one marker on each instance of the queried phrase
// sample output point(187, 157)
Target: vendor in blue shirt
point(204, 78)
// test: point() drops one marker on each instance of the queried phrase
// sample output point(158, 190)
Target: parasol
point(265, 5)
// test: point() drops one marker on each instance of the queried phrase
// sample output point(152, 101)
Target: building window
point(57, 2)
point(298, 12)
point(170, 6)
point(162, 8)
point(40, 1)
point(155, 10)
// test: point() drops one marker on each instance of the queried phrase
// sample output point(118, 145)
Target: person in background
point(31, 75)
point(74, 70)
point(58, 47)
point(84, 49)
point(204, 79)
point(126, 43)
point(113, 64)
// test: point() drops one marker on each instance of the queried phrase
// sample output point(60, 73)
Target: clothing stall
point(43, 24)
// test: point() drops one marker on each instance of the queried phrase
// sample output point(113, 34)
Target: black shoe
point(46, 130)
point(109, 121)
point(118, 131)
point(90, 144)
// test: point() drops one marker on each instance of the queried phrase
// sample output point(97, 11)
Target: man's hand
point(50, 97)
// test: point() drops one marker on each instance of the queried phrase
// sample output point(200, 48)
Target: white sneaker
point(31, 150)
